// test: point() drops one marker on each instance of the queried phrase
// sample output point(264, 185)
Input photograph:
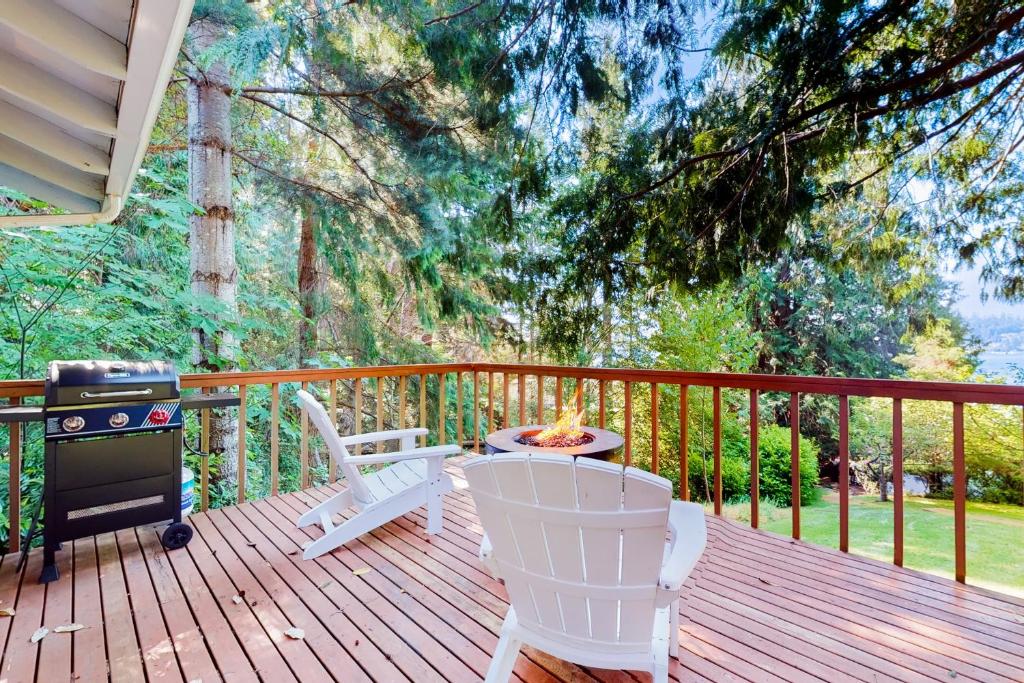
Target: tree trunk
point(310, 284)
point(883, 484)
point(212, 235)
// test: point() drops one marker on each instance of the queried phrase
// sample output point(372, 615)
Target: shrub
point(773, 447)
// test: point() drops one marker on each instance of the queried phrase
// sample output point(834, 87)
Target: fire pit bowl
point(602, 444)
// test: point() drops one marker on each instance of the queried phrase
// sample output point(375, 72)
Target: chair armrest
point(689, 536)
point(389, 435)
point(412, 454)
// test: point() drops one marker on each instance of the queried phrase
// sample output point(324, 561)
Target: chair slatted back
point(322, 422)
point(579, 544)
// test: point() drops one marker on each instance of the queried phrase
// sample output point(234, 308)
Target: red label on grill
point(159, 416)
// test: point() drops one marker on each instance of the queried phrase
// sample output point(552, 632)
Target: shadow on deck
point(758, 607)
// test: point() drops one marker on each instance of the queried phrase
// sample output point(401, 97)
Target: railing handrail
point(926, 390)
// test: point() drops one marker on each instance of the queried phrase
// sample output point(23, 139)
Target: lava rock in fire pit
point(600, 443)
point(565, 440)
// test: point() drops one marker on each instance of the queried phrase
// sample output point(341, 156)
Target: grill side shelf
point(217, 400)
point(21, 414)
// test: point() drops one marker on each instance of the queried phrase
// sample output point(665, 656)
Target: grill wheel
point(177, 535)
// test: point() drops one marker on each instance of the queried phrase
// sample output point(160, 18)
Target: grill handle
point(113, 394)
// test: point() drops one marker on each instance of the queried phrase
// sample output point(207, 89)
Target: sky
point(971, 305)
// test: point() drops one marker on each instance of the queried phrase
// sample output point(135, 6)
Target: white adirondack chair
point(581, 547)
point(415, 478)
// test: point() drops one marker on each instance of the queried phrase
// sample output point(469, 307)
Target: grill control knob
point(118, 420)
point(73, 423)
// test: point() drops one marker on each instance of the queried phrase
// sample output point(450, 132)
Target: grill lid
point(82, 382)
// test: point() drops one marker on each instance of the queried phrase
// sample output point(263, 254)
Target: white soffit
point(81, 82)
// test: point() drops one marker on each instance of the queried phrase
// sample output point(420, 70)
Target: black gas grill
point(113, 451)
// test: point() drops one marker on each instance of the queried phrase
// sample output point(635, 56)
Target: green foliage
point(775, 464)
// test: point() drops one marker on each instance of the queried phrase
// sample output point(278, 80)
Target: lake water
point(1001, 362)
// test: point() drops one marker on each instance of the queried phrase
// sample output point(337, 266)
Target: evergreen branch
point(454, 15)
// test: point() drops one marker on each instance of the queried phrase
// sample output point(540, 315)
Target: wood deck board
point(759, 607)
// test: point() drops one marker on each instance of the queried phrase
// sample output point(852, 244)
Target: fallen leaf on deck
point(251, 544)
point(39, 634)
point(68, 628)
point(361, 571)
point(293, 552)
point(296, 633)
point(764, 581)
point(7, 612)
point(325, 584)
point(237, 599)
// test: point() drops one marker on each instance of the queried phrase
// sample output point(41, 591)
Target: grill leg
point(50, 572)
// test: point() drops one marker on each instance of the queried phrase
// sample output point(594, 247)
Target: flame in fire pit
point(566, 430)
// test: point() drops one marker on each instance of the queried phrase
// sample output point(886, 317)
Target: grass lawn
point(995, 535)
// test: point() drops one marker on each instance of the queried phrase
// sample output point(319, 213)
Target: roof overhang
point(81, 82)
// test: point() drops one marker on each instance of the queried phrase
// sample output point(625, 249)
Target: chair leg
point(435, 516)
point(504, 656)
point(673, 631)
point(364, 522)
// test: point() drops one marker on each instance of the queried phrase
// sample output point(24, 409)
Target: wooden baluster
point(684, 436)
point(558, 398)
point(581, 386)
point(357, 403)
point(628, 424)
point(403, 391)
point(459, 436)
point(755, 476)
point(844, 473)
point(442, 404)
point(14, 483)
point(332, 411)
point(476, 411)
point(600, 403)
point(540, 399)
point(275, 403)
point(897, 482)
point(959, 494)
point(242, 461)
point(521, 381)
point(654, 428)
point(423, 408)
point(204, 465)
point(304, 444)
point(379, 400)
point(505, 418)
point(490, 402)
point(794, 459)
point(716, 393)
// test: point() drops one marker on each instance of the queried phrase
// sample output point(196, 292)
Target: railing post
point(379, 400)
point(14, 483)
point(275, 399)
point(581, 386)
point(521, 382)
point(304, 443)
point(627, 423)
point(476, 412)
point(716, 393)
point(403, 390)
point(458, 409)
point(600, 403)
point(357, 409)
point(242, 460)
point(204, 464)
point(506, 418)
point(654, 428)
point(755, 470)
point(959, 493)
point(490, 402)
point(442, 404)
point(844, 473)
point(332, 411)
point(558, 398)
point(794, 459)
point(423, 408)
point(684, 435)
point(897, 482)
point(540, 399)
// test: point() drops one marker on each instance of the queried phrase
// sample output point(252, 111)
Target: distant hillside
point(1003, 334)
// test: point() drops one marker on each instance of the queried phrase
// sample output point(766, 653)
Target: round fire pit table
point(604, 445)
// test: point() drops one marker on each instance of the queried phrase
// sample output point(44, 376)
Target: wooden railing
point(409, 385)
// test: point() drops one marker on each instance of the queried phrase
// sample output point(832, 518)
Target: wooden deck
point(759, 607)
